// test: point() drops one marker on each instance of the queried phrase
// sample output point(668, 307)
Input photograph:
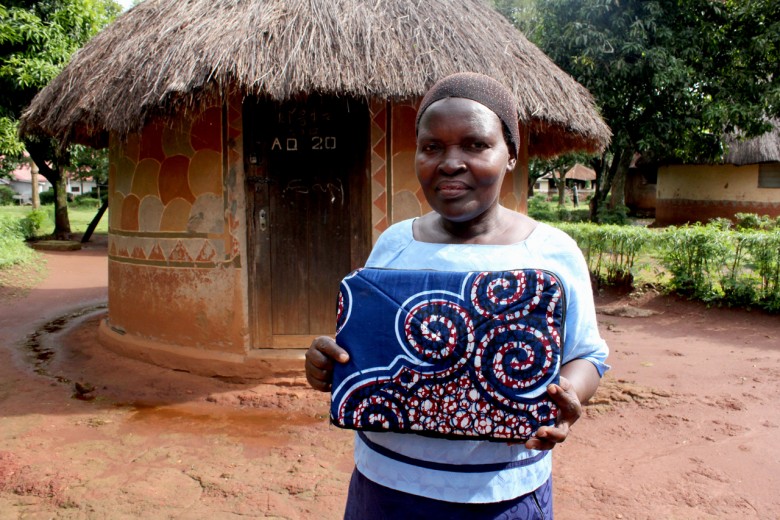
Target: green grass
point(21, 268)
point(80, 217)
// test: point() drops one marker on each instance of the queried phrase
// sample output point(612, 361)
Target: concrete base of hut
point(257, 365)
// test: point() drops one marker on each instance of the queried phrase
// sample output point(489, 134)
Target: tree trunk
point(603, 183)
point(94, 223)
point(561, 185)
point(618, 185)
point(61, 220)
point(59, 182)
point(34, 195)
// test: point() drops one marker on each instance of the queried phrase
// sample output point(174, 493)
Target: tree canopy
point(671, 77)
point(37, 39)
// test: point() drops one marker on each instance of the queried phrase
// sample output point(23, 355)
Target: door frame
point(259, 234)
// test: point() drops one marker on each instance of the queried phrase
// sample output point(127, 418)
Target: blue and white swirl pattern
point(469, 358)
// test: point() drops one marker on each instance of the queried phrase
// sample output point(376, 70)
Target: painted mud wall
point(640, 194)
point(690, 193)
point(178, 277)
point(176, 232)
point(395, 192)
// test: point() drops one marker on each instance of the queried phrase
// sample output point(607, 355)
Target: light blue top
point(480, 471)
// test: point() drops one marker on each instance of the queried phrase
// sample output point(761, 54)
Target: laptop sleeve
point(461, 355)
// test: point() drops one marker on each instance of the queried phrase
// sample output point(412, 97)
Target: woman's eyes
point(471, 145)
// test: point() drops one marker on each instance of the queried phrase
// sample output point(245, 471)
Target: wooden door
point(308, 212)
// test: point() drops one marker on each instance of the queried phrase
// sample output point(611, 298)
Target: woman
point(467, 141)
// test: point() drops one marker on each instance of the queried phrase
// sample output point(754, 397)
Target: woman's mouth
point(451, 189)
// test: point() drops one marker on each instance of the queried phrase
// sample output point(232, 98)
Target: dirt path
point(685, 426)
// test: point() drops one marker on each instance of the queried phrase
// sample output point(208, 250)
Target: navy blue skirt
point(369, 500)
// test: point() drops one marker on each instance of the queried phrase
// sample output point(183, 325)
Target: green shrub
point(713, 263)
point(611, 251)
point(754, 221)
point(86, 200)
point(693, 254)
point(47, 197)
point(32, 223)
point(721, 223)
point(13, 248)
point(617, 215)
point(6, 196)
point(739, 268)
point(764, 251)
point(539, 208)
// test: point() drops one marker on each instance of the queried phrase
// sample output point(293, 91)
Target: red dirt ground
point(685, 426)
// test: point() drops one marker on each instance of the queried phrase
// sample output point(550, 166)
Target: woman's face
point(461, 158)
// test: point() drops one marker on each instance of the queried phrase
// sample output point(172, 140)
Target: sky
point(125, 3)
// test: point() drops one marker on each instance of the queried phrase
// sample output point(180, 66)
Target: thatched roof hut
point(163, 54)
point(258, 148)
point(581, 172)
point(762, 149)
point(746, 180)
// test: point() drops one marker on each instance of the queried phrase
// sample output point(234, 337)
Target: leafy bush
point(764, 255)
point(693, 254)
point(539, 208)
point(617, 215)
point(713, 263)
point(720, 223)
point(6, 195)
point(611, 251)
point(47, 197)
point(86, 200)
point(754, 221)
point(738, 268)
point(13, 249)
point(32, 223)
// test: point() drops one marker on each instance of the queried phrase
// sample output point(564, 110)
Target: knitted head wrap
point(484, 90)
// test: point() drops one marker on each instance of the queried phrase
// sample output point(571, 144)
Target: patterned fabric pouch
point(461, 355)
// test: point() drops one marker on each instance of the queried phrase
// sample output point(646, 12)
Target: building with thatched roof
point(258, 148)
point(746, 181)
point(580, 172)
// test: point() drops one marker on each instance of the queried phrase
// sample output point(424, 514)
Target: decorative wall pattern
point(168, 202)
point(379, 214)
point(395, 193)
point(408, 199)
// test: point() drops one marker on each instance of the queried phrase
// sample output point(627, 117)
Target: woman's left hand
point(570, 409)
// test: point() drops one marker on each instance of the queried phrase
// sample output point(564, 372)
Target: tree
point(670, 76)
point(524, 14)
point(37, 39)
point(557, 168)
point(88, 163)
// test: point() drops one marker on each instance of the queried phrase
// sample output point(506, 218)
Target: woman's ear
point(510, 165)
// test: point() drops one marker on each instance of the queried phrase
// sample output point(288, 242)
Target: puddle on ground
point(208, 419)
point(40, 350)
point(197, 418)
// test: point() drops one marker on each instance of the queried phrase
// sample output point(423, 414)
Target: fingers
point(547, 437)
point(319, 362)
point(569, 410)
point(569, 406)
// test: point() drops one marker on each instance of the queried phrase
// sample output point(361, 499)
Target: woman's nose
point(452, 161)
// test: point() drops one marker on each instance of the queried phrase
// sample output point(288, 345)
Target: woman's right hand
point(319, 362)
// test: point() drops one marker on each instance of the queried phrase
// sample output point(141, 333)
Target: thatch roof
point(163, 54)
point(581, 173)
point(764, 148)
